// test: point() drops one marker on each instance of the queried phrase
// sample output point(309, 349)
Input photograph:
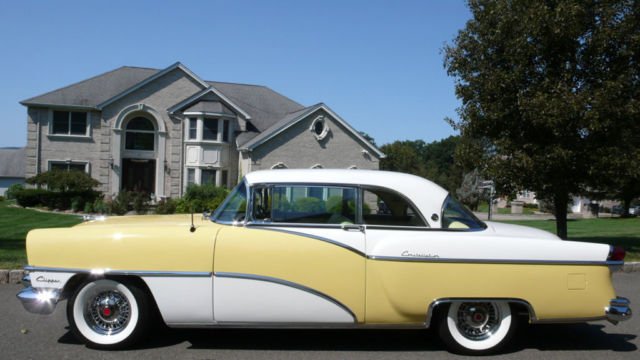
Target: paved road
point(48, 338)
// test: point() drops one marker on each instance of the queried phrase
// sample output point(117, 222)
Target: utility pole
point(488, 184)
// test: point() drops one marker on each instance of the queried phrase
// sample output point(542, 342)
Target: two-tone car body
point(320, 248)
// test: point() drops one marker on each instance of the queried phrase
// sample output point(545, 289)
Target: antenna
point(193, 227)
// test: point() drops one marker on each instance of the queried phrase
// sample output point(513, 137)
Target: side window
point(305, 204)
point(383, 207)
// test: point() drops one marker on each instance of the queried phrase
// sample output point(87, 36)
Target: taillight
point(616, 253)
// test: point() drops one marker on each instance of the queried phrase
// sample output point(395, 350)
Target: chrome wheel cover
point(108, 312)
point(478, 321)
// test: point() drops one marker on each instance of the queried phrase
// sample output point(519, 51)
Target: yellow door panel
point(316, 264)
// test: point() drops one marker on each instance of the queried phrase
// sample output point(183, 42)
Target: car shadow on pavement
point(541, 337)
point(572, 337)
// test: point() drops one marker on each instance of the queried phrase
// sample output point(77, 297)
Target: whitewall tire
point(108, 313)
point(476, 328)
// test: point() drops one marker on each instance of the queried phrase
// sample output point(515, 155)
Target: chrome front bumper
point(38, 301)
point(618, 310)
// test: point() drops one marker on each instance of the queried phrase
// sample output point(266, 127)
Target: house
point(159, 130)
point(11, 168)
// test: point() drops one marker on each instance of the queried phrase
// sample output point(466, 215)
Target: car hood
point(518, 231)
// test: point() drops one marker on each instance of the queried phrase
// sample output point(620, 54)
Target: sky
point(377, 64)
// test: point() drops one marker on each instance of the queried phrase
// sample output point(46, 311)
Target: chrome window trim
point(218, 211)
point(415, 228)
point(333, 242)
point(444, 206)
point(409, 201)
point(354, 187)
point(121, 272)
point(489, 261)
point(290, 284)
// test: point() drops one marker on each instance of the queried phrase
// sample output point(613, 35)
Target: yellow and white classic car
point(320, 249)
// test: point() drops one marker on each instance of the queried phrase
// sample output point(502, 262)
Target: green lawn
point(14, 225)
point(617, 231)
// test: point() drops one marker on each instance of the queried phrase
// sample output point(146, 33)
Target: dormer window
point(210, 129)
point(202, 128)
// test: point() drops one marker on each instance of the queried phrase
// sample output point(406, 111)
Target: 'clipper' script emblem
point(407, 253)
point(50, 281)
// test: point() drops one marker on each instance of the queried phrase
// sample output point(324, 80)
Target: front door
point(298, 260)
point(139, 175)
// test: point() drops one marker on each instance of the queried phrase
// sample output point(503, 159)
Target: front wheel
point(108, 314)
point(476, 328)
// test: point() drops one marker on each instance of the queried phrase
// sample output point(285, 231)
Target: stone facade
point(297, 147)
point(174, 101)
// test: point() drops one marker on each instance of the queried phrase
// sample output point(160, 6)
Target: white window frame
point(87, 165)
point(87, 133)
point(199, 118)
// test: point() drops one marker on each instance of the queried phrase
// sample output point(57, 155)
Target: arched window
point(140, 134)
point(279, 165)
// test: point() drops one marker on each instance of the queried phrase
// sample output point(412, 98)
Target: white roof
point(426, 195)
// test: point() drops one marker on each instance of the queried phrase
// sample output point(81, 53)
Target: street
point(28, 336)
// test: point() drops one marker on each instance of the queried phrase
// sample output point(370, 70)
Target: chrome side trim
point(333, 242)
point(121, 272)
point(490, 261)
point(247, 325)
point(290, 284)
point(532, 313)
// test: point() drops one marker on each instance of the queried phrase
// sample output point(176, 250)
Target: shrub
point(76, 203)
point(199, 198)
point(63, 180)
point(88, 207)
point(166, 206)
point(100, 207)
point(2, 198)
point(141, 202)
point(309, 205)
point(55, 199)
point(13, 190)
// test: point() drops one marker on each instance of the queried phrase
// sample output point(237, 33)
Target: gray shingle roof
point(96, 90)
point(286, 119)
point(209, 106)
point(264, 105)
point(12, 162)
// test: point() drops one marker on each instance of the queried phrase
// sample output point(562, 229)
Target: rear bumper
point(618, 310)
point(38, 301)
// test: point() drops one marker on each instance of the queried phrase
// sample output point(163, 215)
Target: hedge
point(61, 200)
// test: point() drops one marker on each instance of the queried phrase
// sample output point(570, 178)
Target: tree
point(548, 88)
point(469, 193)
point(434, 161)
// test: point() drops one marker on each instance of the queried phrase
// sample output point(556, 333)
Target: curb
point(12, 276)
point(15, 276)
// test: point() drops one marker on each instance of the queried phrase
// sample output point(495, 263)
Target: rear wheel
point(476, 328)
point(108, 313)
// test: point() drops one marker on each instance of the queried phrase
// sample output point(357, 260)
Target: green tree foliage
point(434, 161)
point(549, 93)
point(63, 180)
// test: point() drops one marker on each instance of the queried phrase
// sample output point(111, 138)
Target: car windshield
point(456, 216)
point(234, 208)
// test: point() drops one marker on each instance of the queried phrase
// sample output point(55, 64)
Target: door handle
point(352, 227)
